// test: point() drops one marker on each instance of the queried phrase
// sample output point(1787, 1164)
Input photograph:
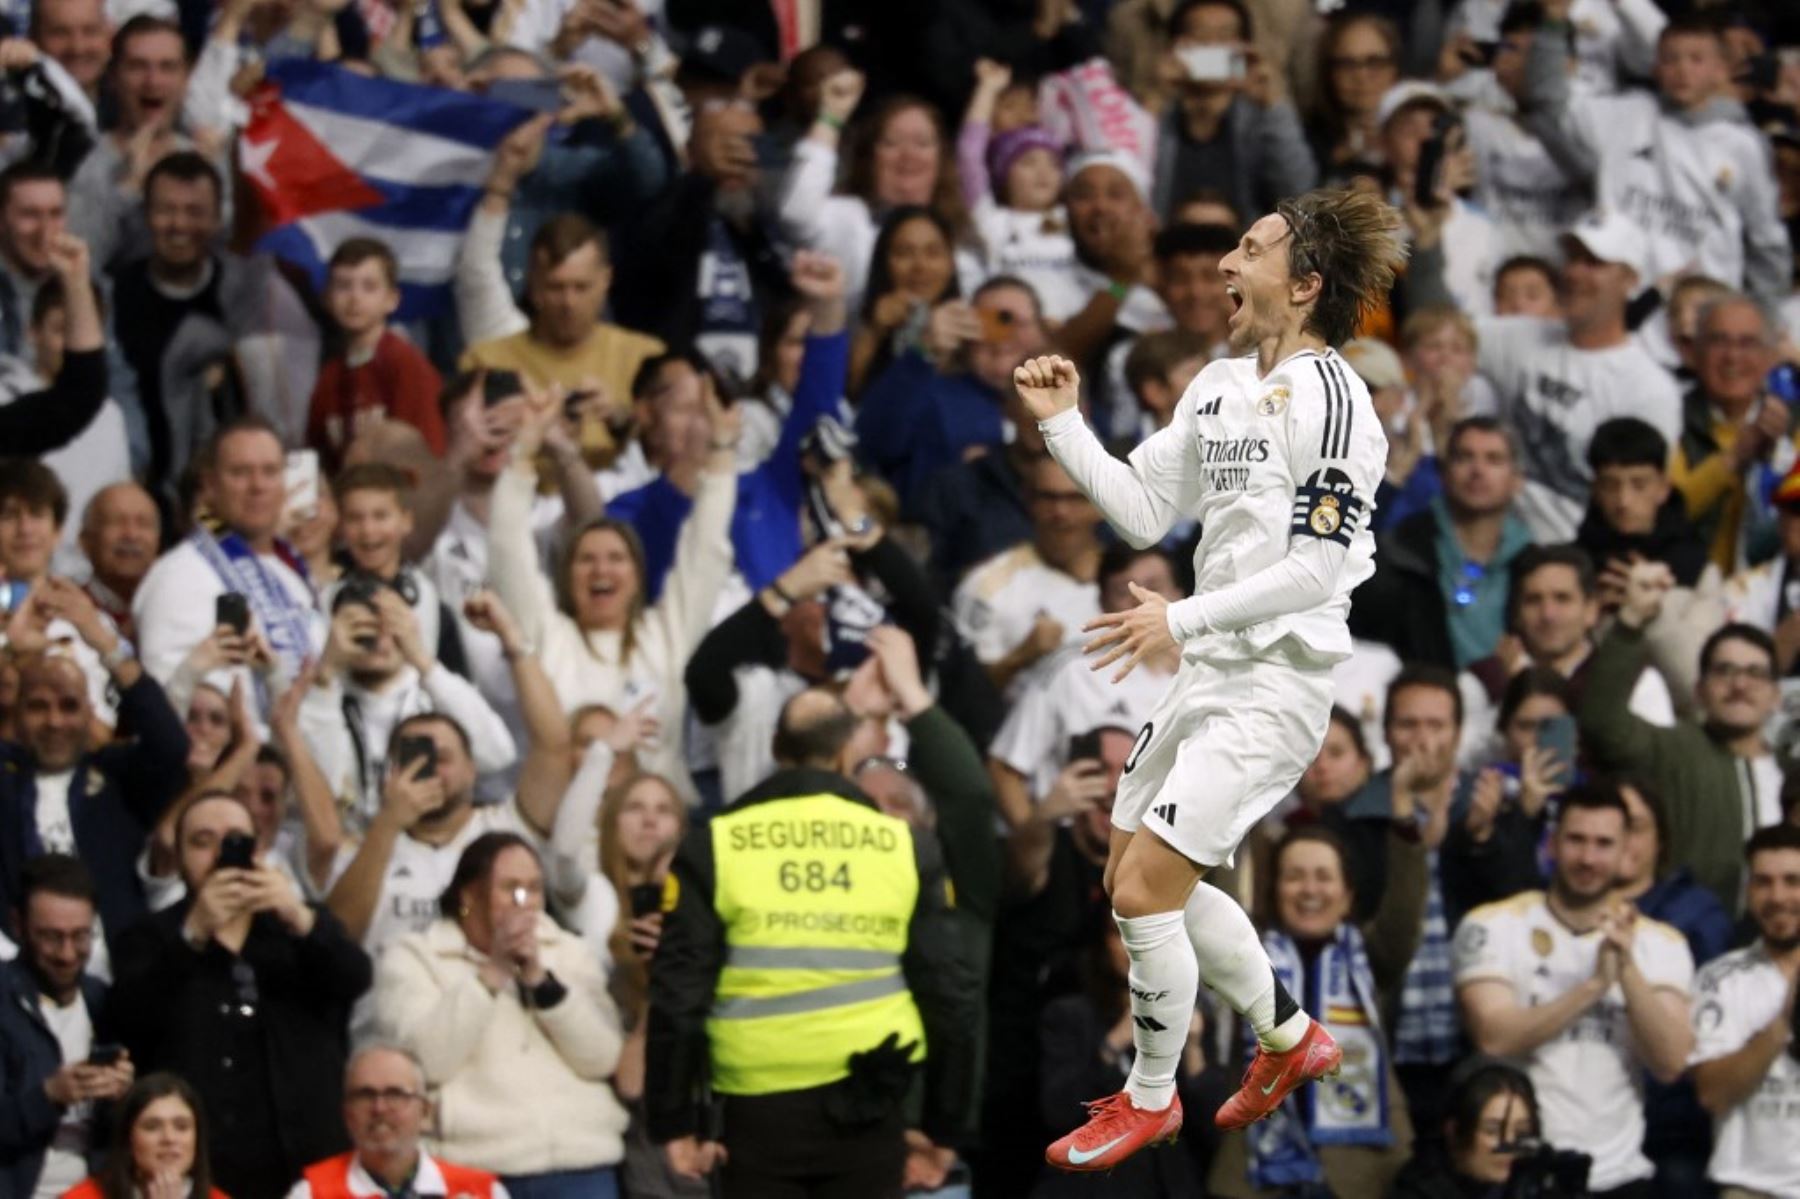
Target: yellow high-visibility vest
point(816, 894)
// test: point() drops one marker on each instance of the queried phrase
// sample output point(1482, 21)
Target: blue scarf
point(286, 624)
point(1351, 1109)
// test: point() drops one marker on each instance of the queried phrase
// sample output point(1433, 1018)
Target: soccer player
point(1276, 455)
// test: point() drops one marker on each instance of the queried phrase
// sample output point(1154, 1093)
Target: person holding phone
point(64, 1067)
point(243, 988)
point(1228, 126)
point(511, 1019)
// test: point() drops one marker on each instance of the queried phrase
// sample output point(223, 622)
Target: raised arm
point(320, 821)
point(1142, 498)
point(544, 775)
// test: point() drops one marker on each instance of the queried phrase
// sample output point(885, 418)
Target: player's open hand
point(1048, 385)
point(1134, 634)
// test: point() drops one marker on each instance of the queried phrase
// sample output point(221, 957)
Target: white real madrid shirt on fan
point(1590, 1084)
point(997, 605)
point(1069, 699)
point(1735, 997)
point(1280, 473)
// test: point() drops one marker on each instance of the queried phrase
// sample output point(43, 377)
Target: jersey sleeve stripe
point(1337, 371)
point(1325, 438)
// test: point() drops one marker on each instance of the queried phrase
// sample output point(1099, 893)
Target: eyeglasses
point(1730, 672)
point(392, 1096)
point(1369, 62)
point(1471, 577)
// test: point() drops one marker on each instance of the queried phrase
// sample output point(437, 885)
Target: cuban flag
point(335, 155)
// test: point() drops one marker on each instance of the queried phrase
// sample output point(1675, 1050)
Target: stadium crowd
point(382, 631)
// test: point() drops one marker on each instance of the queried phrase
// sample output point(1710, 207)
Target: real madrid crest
point(1326, 516)
point(1273, 402)
point(1541, 943)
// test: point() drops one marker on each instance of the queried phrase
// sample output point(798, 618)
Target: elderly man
point(385, 1111)
point(121, 531)
point(1732, 432)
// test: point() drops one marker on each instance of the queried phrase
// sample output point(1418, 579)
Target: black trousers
point(785, 1146)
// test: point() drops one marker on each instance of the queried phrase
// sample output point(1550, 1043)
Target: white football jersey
point(1735, 997)
point(1256, 462)
point(1590, 1084)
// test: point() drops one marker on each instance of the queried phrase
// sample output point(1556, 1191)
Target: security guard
point(811, 962)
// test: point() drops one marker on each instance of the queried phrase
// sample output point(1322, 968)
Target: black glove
point(878, 1083)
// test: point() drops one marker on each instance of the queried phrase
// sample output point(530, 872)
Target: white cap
point(1611, 236)
point(1128, 165)
point(1410, 91)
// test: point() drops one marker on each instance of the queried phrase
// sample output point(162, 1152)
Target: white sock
point(1231, 960)
point(1164, 979)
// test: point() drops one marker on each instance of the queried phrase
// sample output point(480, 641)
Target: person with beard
point(61, 791)
point(1719, 776)
point(1746, 1068)
point(386, 1111)
point(1583, 991)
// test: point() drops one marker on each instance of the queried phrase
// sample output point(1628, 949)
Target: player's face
point(1773, 896)
point(1257, 283)
point(1589, 848)
point(1311, 896)
point(1737, 689)
point(1554, 616)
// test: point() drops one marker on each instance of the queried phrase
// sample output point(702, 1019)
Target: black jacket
point(1673, 541)
point(940, 969)
point(115, 798)
point(1401, 604)
point(277, 1070)
point(29, 1054)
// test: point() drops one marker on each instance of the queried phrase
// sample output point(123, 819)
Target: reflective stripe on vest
point(330, 1179)
point(816, 895)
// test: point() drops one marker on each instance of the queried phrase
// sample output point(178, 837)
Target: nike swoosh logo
point(1270, 1089)
point(1080, 1157)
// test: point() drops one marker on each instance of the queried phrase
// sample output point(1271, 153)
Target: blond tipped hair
point(1352, 241)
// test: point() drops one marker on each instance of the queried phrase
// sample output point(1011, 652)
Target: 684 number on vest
point(813, 875)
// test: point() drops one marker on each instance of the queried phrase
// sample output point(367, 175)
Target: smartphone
point(105, 1054)
point(301, 482)
point(1557, 734)
point(499, 386)
point(232, 610)
point(533, 95)
point(1479, 54)
point(645, 899)
point(996, 326)
point(412, 749)
point(1210, 64)
point(12, 594)
point(1084, 746)
point(1431, 161)
point(237, 851)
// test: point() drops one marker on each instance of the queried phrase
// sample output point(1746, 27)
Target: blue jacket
point(115, 799)
point(765, 525)
point(29, 1054)
point(912, 421)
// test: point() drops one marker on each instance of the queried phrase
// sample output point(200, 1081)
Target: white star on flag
point(254, 158)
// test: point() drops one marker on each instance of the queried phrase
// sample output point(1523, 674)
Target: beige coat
point(517, 1091)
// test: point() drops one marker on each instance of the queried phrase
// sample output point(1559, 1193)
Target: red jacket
point(89, 1188)
point(398, 383)
point(330, 1179)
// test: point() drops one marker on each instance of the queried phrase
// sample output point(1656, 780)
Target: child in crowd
point(1012, 179)
point(374, 522)
point(1158, 370)
point(1527, 286)
point(376, 374)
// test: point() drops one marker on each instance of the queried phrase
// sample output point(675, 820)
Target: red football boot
point(1272, 1076)
point(1115, 1130)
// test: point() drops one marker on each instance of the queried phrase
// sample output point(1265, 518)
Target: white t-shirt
point(1554, 396)
point(65, 1160)
point(1590, 1084)
point(1605, 45)
point(1035, 247)
point(1735, 998)
point(1521, 187)
point(55, 830)
point(1068, 699)
point(997, 604)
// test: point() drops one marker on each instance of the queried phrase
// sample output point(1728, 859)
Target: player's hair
point(1154, 355)
point(1351, 241)
point(1593, 795)
point(1749, 634)
point(1627, 441)
point(1200, 241)
point(357, 250)
point(375, 476)
point(1775, 836)
point(1428, 675)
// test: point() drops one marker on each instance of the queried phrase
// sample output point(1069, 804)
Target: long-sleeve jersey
point(1279, 472)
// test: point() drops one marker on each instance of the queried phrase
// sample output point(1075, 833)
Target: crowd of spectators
point(361, 675)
